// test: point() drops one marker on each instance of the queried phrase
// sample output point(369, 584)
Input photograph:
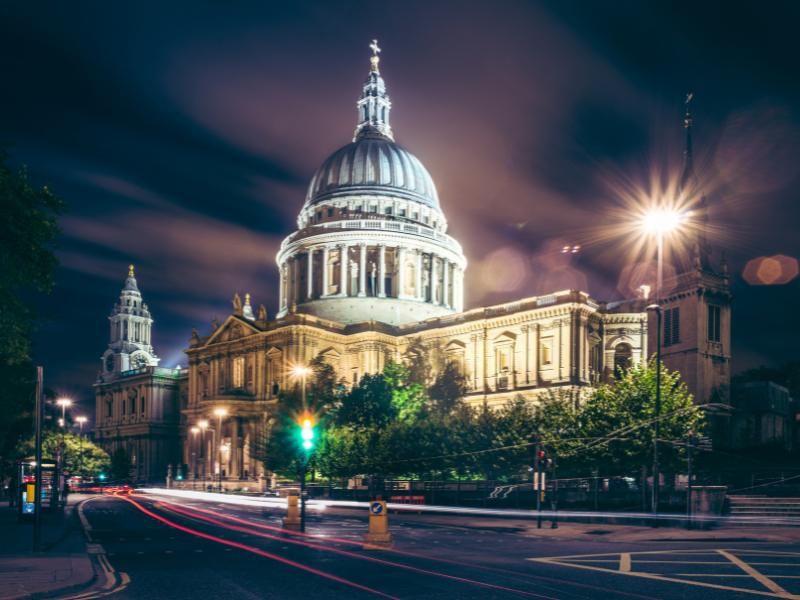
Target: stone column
point(326, 273)
point(401, 271)
point(344, 264)
point(446, 283)
point(234, 453)
point(418, 282)
point(434, 279)
point(362, 271)
point(295, 279)
point(381, 271)
point(310, 275)
point(281, 296)
point(458, 288)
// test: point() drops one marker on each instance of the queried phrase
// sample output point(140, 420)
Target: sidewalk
point(63, 565)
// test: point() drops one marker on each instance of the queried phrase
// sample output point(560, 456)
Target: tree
point(368, 405)
point(619, 418)
point(27, 231)
point(556, 420)
point(447, 390)
point(408, 395)
point(81, 456)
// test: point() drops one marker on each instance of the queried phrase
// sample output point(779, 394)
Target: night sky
point(182, 137)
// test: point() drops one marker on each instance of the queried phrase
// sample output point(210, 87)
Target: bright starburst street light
point(662, 221)
point(203, 424)
point(300, 371)
point(220, 412)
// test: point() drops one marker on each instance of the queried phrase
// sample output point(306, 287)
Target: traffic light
point(307, 433)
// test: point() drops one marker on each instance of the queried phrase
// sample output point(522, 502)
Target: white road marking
point(762, 579)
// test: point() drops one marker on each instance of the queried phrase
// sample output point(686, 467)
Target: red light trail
point(254, 550)
point(317, 546)
point(392, 550)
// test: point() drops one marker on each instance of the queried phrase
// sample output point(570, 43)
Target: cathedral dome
point(371, 241)
point(373, 164)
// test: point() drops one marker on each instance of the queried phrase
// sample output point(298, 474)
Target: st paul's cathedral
point(370, 276)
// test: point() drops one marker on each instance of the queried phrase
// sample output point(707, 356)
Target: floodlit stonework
point(371, 276)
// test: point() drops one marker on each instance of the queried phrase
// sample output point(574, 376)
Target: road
point(174, 548)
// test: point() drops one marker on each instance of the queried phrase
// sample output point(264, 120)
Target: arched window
point(623, 355)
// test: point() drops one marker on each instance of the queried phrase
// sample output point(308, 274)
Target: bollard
point(292, 518)
point(378, 536)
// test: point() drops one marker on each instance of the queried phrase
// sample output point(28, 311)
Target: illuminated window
point(713, 323)
point(238, 372)
point(546, 352)
point(503, 359)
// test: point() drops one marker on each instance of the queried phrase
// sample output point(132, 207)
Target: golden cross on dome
point(130, 271)
point(374, 59)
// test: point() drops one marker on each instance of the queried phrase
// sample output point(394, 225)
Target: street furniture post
point(292, 518)
point(378, 536)
point(37, 492)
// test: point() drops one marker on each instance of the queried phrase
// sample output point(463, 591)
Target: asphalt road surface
point(171, 548)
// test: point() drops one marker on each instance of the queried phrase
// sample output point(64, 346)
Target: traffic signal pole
point(303, 495)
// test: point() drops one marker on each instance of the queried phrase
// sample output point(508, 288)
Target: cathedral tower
point(129, 344)
point(696, 302)
point(372, 240)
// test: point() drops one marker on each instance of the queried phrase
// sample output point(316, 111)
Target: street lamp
point(195, 430)
point(220, 413)
point(80, 421)
point(63, 403)
point(659, 223)
point(302, 372)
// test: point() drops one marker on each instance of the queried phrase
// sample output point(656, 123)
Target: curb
point(75, 587)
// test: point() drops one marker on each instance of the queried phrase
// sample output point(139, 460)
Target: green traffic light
point(307, 433)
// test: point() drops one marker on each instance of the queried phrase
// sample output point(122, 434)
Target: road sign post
point(378, 535)
point(292, 518)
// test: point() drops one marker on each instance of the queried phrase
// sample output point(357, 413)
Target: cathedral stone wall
point(563, 341)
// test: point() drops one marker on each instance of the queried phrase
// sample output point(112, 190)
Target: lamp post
point(659, 223)
point(195, 430)
point(80, 421)
point(63, 403)
point(203, 425)
point(220, 413)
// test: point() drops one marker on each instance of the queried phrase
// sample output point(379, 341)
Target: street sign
point(376, 508)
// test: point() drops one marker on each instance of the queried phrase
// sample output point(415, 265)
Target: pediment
point(232, 329)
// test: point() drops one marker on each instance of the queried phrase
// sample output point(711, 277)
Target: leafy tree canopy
point(81, 456)
point(27, 232)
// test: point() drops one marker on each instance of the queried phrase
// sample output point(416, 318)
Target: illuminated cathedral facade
point(371, 275)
